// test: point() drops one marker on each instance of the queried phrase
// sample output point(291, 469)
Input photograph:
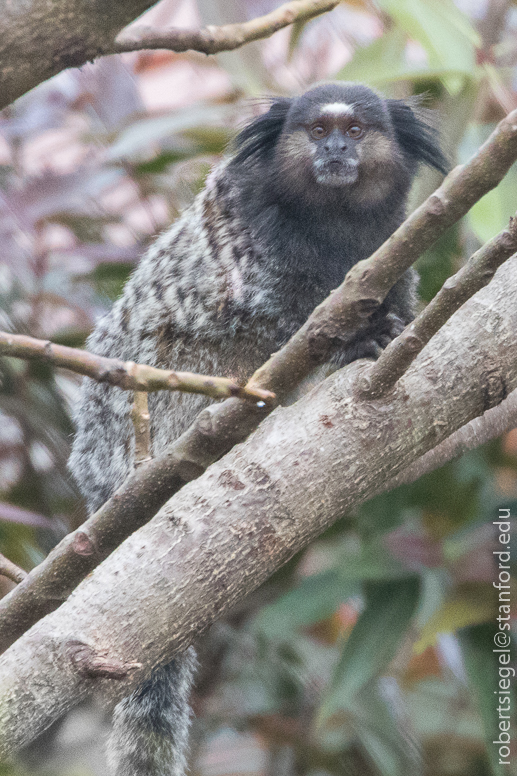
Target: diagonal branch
point(212, 40)
point(492, 424)
point(125, 374)
point(402, 351)
point(221, 537)
point(219, 427)
point(11, 570)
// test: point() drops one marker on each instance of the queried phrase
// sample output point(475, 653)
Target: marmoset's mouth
point(337, 172)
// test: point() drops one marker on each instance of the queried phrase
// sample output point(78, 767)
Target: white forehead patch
point(338, 108)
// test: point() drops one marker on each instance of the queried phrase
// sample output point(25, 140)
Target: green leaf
point(110, 278)
point(384, 62)
point(482, 666)
point(390, 606)
point(370, 63)
point(141, 136)
point(383, 755)
point(382, 730)
point(295, 33)
point(209, 140)
point(438, 263)
point(160, 162)
point(493, 211)
point(318, 596)
point(467, 605)
point(86, 228)
point(370, 562)
point(442, 29)
point(315, 599)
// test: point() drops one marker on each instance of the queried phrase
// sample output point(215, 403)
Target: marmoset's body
point(314, 185)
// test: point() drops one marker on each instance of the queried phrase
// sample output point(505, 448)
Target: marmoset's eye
point(355, 131)
point(317, 132)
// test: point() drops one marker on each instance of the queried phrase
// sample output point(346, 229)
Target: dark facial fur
point(314, 185)
point(342, 143)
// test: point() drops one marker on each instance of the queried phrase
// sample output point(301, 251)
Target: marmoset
point(310, 188)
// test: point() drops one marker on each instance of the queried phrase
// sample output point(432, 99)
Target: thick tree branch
point(125, 374)
point(38, 39)
point(219, 427)
point(212, 40)
point(215, 430)
point(221, 537)
point(402, 351)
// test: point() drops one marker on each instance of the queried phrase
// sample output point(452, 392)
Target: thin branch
point(368, 282)
point(142, 427)
point(212, 40)
point(11, 570)
point(38, 40)
point(125, 374)
point(219, 427)
point(492, 424)
point(476, 273)
point(222, 537)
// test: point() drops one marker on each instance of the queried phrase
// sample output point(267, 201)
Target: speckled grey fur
point(223, 288)
point(149, 736)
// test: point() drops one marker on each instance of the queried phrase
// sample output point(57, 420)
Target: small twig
point(142, 426)
point(11, 570)
point(476, 273)
point(212, 40)
point(126, 374)
point(93, 664)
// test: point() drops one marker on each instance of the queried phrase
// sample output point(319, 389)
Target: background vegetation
point(371, 652)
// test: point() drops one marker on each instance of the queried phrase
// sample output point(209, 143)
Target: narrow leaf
point(390, 605)
point(315, 599)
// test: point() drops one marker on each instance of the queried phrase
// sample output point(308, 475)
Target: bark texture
point(39, 38)
point(225, 533)
point(492, 424)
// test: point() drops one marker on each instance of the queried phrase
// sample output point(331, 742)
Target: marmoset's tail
point(150, 727)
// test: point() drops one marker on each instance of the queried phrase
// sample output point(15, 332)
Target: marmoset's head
point(341, 139)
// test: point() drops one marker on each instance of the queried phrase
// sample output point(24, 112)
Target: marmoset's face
point(334, 138)
point(340, 137)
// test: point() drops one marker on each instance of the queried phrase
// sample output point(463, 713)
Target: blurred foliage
point(371, 652)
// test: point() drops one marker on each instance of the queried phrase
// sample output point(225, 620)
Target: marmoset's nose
point(336, 142)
